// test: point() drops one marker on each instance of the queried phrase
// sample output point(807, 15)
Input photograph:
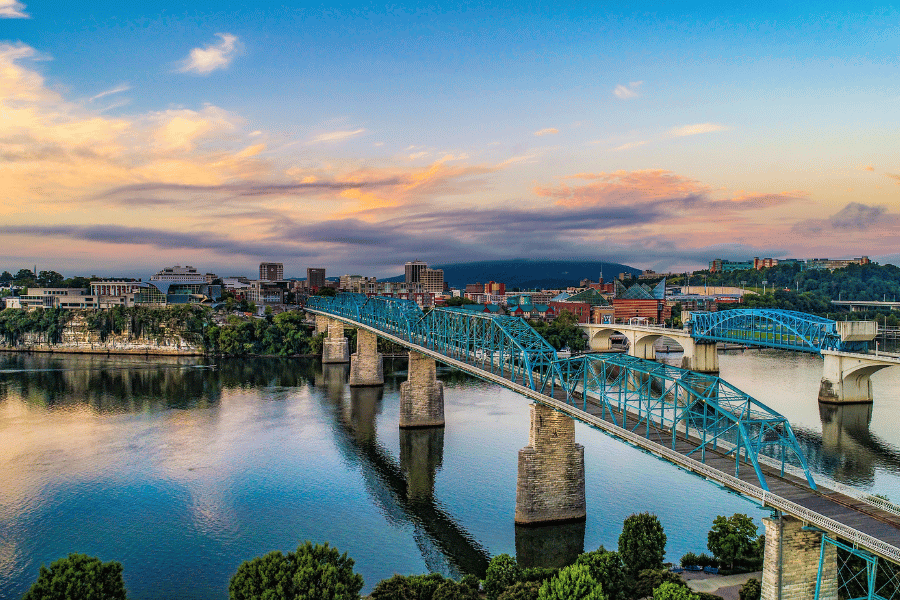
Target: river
point(183, 468)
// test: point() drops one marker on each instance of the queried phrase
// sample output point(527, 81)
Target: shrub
point(502, 572)
point(642, 543)
point(672, 591)
point(572, 583)
point(451, 590)
point(752, 590)
point(395, 588)
point(606, 568)
point(312, 573)
point(537, 574)
point(78, 576)
point(690, 559)
point(650, 579)
point(523, 590)
point(424, 586)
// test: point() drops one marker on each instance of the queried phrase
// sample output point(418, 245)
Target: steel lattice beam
point(643, 395)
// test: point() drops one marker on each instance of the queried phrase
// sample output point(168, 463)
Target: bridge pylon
point(421, 395)
point(795, 558)
point(845, 376)
point(550, 485)
point(336, 348)
point(366, 364)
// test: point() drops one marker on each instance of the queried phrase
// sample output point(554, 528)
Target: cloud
point(626, 92)
point(867, 222)
point(203, 61)
point(868, 168)
point(547, 131)
point(116, 90)
point(696, 129)
point(12, 9)
point(336, 136)
point(894, 177)
point(630, 145)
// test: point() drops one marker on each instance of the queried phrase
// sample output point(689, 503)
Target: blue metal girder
point(702, 409)
point(771, 328)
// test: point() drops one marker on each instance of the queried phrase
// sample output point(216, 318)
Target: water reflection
point(128, 384)
point(403, 491)
point(549, 546)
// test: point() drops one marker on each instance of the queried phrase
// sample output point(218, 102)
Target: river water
point(183, 468)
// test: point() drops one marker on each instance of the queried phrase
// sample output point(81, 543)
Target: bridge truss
point(639, 395)
point(771, 328)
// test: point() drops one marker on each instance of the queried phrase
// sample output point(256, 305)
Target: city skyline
point(358, 138)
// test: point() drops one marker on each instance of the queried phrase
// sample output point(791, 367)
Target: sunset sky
point(138, 135)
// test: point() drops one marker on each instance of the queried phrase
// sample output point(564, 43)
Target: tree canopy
point(78, 577)
point(732, 539)
point(313, 572)
point(642, 543)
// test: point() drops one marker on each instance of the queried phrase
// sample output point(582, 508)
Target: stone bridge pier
point(845, 377)
point(421, 395)
point(550, 486)
point(366, 364)
point(336, 348)
point(791, 562)
point(321, 324)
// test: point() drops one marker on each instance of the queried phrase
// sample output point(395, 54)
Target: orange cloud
point(623, 187)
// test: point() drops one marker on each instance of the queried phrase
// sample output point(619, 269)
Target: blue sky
point(358, 136)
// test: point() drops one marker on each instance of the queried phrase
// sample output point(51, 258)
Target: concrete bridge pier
point(336, 348)
point(700, 357)
point(642, 347)
point(791, 562)
point(550, 485)
point(366, 364)
point(421, 456)
point(321, 324)
point(421, 395)
point(845, 377)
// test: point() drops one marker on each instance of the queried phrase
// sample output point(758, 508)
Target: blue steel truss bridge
point(787, 329)
point(695, 421)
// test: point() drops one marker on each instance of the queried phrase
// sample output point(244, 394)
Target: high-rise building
point(315, 278)
point(432, 280)
point(414, 271)
point(271, 271)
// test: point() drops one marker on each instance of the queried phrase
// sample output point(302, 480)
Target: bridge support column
point(366, 364)
point(845, 379)
point(336, 348)
point(702, 358)
point(791, 562)
point(421, 395)
point(550, 486)
point(321, 324)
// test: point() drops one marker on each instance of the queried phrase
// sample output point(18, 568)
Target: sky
point(359, 136)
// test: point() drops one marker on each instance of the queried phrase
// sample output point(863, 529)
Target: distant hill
point(527, 274)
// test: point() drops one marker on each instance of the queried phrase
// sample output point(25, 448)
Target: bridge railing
point(707, 409)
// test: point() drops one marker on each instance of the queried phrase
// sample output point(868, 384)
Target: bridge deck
point(850, 511)
point(859, 523)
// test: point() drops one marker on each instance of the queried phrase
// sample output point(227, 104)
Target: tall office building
point(414, 271)
point(271, 271)
point(315, 278)
point(432, 280)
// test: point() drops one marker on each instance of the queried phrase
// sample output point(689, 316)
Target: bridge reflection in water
point(404, 489)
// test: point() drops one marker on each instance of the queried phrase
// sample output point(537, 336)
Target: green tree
point(732, 539)
point(642, 543)
point(572, 583)
point(458, 301)
point(502, 572)
point(78, 577)
point(752, 590)
point(522, 590)
point(673, 591)
point(648, 580)
point(607, 568)
point(313, 572)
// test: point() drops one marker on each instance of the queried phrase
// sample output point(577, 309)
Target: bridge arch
point(601, 339)
point(846, 377)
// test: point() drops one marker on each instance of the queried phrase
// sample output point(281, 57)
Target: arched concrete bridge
point(694, 421)
point(699, 356)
